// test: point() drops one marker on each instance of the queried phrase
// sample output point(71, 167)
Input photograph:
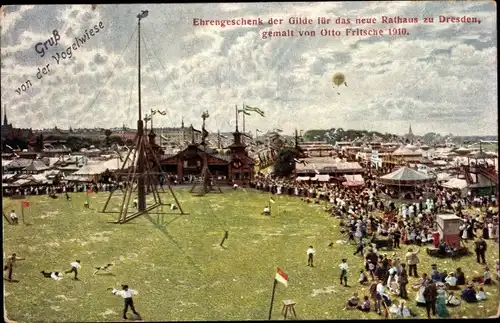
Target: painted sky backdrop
point(440, 78)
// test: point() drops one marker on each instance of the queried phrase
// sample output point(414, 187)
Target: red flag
point(89, 191)
point(25, 204)
point(281, 277)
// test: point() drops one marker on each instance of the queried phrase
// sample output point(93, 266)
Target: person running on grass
point(74, 268)
point(10, 265)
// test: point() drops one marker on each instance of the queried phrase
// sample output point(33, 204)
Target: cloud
point(439, 77)
point(11, 16)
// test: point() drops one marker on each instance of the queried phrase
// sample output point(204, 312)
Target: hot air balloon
point(338, 79)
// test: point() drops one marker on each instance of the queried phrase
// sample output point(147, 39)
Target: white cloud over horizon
point(442, 77)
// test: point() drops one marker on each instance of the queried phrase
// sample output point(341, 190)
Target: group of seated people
point(452, 281)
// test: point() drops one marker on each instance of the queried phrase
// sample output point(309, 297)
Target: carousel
point(404, 182)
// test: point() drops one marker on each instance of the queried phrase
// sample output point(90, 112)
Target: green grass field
point(179, 269)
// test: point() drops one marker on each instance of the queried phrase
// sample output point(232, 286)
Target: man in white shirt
point(381, 294)
point(126, 293)
point(267, 211)
point(74, 268)
point(13, 217)
point(310, 256)
point(344, 271)
point(136, 203)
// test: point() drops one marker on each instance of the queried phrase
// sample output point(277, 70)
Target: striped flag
point(272, 200)
point(244, 111)
point(253, 109)
point(281, 277)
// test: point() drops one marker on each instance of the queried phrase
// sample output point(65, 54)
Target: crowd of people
point(413, 224)
point(371, 222)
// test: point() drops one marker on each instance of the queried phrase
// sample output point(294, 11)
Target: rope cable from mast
point(149, 52)
point(214, 212)
point(84, 114)
point(170, 77)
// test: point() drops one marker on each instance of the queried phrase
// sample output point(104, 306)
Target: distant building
point(175, 135)
point(9, 132)
point(317, 148)
point(410, 137)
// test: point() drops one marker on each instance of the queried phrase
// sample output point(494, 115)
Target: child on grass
point(353, 302)
point(365, 306)
point(363, 279)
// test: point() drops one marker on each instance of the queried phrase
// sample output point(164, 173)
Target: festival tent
point(321, 178)
point(406, 176)
point(302, 178)
point(441, 177)
point(457, 184)
point(36, 166)
point(353, 180)
point(91, 169)
point(403, 151)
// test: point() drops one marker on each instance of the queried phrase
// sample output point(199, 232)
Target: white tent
point(321, 178)
point(443, 177)
point(355, 178)
point(458, 184)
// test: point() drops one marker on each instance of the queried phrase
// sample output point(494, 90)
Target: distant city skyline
point(439, 78)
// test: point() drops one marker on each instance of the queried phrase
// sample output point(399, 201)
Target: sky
point(440, 77)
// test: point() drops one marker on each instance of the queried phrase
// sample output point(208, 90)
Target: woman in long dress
point(420, 299)
point(441, 309)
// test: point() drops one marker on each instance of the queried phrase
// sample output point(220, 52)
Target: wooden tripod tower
point(142, 166)
point(135, 178)
point(207, 183)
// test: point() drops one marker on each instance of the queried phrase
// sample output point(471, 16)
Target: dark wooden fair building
point(236, 167)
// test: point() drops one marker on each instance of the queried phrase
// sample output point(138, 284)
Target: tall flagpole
point(272, 299)
point(243, 122)
point(236, 111)
point(243, 110)
point(141, 185)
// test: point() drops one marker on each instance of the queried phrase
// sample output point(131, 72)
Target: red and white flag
point(281, 277)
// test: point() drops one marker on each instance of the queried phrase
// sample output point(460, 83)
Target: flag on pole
point(25, 203)
point(281, 277)
point(89, 191)
point(272, 200)
point(244, 111)
point(253, 109)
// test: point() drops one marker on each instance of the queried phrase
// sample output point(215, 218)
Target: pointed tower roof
point(5, 123)
point(410, 133)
